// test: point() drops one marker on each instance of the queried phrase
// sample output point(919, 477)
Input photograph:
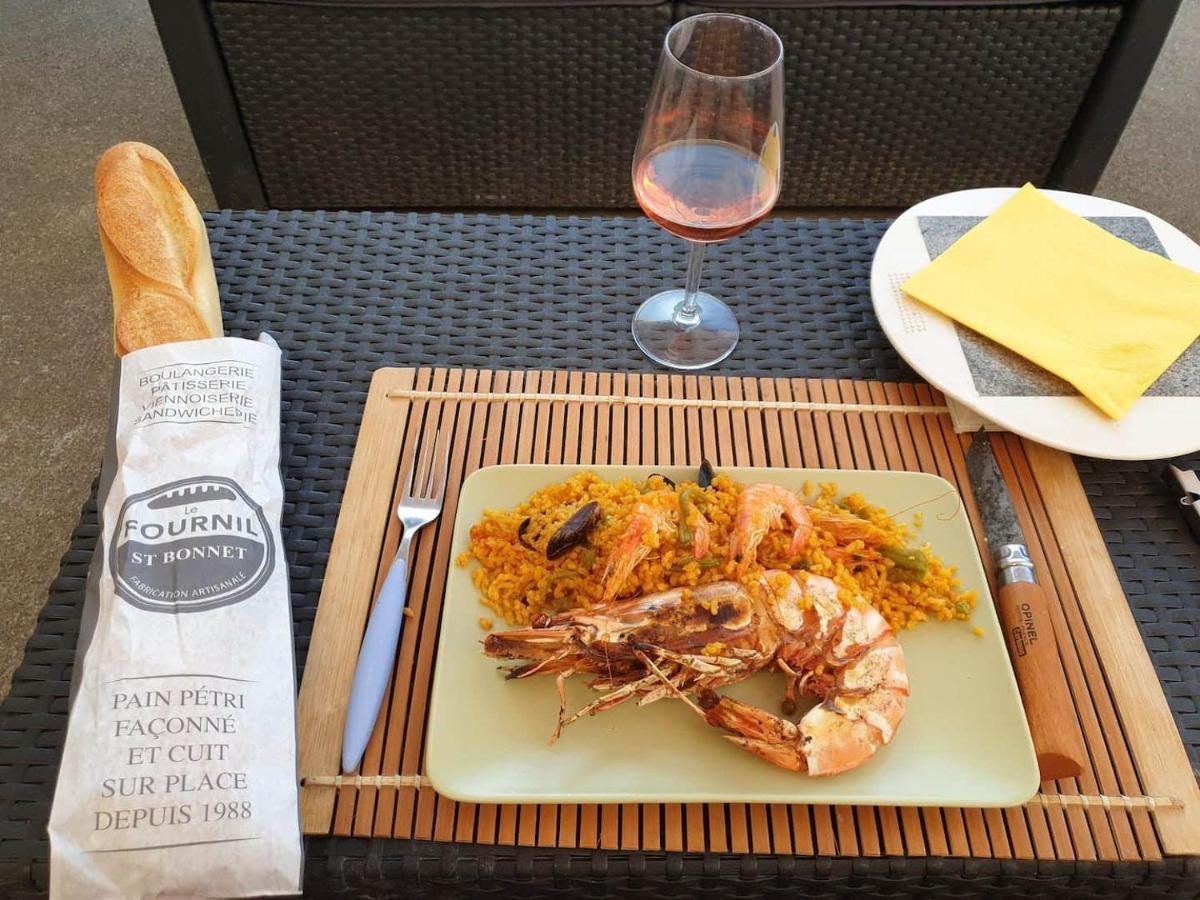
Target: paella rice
point(870, 555)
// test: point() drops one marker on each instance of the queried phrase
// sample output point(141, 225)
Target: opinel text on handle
point(1048, 704)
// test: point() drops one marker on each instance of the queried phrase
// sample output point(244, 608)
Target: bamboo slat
point(1136, 800)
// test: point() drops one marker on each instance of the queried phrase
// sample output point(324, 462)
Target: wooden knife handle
point(1048, 705)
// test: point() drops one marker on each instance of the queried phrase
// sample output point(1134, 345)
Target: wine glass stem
point(687, 315)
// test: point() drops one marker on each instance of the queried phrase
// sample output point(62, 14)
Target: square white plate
point(963, 742)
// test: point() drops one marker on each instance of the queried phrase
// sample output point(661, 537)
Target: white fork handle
point(375, 661)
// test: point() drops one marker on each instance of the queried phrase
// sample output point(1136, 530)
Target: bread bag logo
point(191, 545)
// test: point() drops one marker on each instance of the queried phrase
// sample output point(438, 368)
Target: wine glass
point(706, 168)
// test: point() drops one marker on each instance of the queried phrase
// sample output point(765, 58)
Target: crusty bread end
point(156, 248)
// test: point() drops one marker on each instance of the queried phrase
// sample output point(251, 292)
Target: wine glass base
point(705, 344)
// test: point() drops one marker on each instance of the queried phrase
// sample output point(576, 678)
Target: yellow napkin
point(1067, 295)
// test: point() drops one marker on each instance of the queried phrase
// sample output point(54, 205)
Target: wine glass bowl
point(706, 168)
point(705, 190)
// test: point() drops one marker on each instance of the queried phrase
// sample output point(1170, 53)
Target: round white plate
point(1155, 428)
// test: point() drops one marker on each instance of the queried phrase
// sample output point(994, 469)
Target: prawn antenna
point(668, 682)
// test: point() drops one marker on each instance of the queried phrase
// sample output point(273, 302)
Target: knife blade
point(991, 494)
point(1025, 616)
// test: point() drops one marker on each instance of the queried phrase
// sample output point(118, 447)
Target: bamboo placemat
point(1136, 800)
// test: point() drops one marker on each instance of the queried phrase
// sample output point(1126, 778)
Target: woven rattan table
point(347, 293)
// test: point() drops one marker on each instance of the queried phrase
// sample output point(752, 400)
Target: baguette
point(156, 249)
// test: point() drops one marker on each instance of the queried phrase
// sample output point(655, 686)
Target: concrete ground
point(77, 76)
point(1157, 164)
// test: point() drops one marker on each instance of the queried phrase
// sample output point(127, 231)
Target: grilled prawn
point(691, 641)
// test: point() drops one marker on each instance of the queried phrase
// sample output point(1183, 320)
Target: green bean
point(685, 508)
point(909, 565)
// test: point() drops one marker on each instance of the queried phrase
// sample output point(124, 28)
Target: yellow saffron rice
point(857, 545)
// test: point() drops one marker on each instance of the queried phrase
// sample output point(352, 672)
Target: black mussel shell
point(521, 529)
point(574, 531)
point(706, 474)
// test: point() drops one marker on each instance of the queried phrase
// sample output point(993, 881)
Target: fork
point(420, 504)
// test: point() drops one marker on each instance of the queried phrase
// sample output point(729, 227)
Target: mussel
point(521, 529)
point(574, 531)
point(707, 474)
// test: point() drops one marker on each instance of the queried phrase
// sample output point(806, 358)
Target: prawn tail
point(786, 756)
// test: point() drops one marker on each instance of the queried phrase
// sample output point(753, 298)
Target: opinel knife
point(1025, 617)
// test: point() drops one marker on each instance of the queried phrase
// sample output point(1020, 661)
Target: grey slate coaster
point(998, 372)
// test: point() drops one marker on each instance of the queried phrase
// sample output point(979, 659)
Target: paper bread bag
point(178, 776)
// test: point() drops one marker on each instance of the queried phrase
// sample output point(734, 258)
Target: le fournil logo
point(191, 545)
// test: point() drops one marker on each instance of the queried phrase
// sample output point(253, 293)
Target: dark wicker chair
point(536, 103)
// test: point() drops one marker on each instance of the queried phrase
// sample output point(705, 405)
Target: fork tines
point(427, 477)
